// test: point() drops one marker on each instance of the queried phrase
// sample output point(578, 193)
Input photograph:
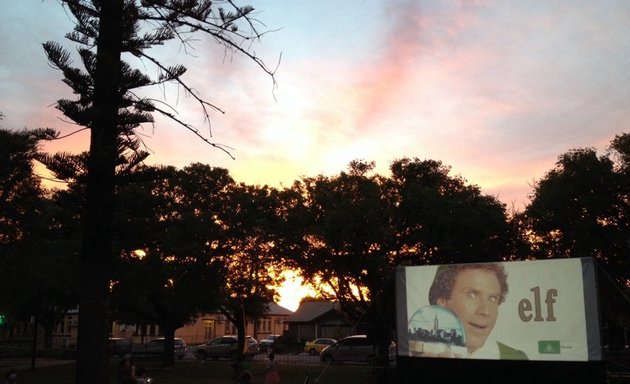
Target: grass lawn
point(197, 372)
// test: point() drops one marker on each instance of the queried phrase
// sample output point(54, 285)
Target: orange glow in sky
point(292, 291)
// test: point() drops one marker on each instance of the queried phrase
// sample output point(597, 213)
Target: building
point(21, 335)
point(317, 318)
point(210, 325)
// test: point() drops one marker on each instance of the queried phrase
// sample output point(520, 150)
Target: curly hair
point(445, 275)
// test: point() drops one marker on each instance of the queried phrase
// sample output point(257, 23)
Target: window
point(208, 326)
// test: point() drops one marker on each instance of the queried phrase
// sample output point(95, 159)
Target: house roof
point(311, 310)
point(275, 309)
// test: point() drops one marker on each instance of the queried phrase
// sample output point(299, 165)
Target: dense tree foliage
point(248, 255)
point(192, 240)
point(580, 209)
point(355, 229)
point(346, 245)
point(38, 238)
point(188, 241)
point(165, 223)
point(439, 219)
point(347, 235)
point(20, 188)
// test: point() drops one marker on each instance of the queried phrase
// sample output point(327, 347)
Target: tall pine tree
point(107, 31)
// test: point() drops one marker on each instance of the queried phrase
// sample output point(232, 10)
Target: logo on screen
point(549, 346)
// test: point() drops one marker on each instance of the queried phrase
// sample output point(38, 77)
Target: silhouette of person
point(272, 376)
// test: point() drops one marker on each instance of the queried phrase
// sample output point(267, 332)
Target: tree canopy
point(580, 209)
point(192, 240)
point(355, 228)
point(38, 237)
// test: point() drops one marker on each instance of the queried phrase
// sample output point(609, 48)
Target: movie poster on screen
point(548, 313)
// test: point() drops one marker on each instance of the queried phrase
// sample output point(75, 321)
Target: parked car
point(224, 347)
point(268, 342)
point(155, 348)
point(353, 348)
point(316, 346)
point(119, 346)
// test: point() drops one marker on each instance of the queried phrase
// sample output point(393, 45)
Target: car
point(224, 347)
point(315, 347)
point(119, 346)
point(268, 342)
point(155, 348)
point(356, 348)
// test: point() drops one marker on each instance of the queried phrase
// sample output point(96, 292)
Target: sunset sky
point(495, 89)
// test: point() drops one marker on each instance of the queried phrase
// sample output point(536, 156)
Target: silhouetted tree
point(20, 188)
point(250, 261)
point(580, 209)
point(574, 209)
point(37, 238)
point(347, 238)
point(108, 103)
point(352, 230)
point(440, 219)
point(166, 225)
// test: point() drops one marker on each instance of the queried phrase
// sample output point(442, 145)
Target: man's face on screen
point(475, 300)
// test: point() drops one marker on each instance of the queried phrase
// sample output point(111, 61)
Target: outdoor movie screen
point(519, 310)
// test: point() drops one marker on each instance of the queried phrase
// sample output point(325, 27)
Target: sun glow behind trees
point(293, 290)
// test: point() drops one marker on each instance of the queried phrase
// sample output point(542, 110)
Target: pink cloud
point(416, 37)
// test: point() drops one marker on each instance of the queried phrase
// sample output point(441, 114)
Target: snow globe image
point(436, 331)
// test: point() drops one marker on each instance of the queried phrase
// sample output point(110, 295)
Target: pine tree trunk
point(168, 358)
point(96, 247)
